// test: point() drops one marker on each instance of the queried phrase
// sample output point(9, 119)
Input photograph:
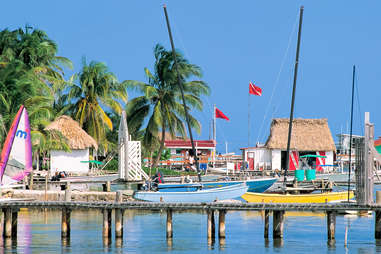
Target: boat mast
point(248, 121)
point(293, 94)
point(182, 93)
point(214, 135)
point(350, 133)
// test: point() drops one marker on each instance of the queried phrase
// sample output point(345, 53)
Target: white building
point(309, 137)
point(76, 161)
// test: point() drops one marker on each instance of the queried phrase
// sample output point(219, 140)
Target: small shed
point(309, 136)
point(79, 142)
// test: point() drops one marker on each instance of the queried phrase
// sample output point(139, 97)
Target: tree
point(160, 107)
point(98, 90)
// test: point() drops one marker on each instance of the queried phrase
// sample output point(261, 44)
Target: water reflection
point(119, 242)
point(211, 243)
point(222, 243)
point(278, 243)
point(331, 244)
point(244, 231)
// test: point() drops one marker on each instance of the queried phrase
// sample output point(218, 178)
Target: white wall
point(262, 157)
point(276, 159)
point(329, 160)
point(69, 162)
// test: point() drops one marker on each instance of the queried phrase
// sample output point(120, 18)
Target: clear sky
point(234, 42)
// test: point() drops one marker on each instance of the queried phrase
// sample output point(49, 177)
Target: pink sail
point(16, 156)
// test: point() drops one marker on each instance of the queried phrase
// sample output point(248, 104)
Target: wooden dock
point(10, 210)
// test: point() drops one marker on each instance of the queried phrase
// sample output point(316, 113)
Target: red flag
point(219, 114)
point(253, 89)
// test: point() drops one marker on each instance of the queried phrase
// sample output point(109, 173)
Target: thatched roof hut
point(307, 135)
point(76, 136)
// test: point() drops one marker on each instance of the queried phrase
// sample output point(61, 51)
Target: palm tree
point(161, 99)
point(30, 73)
point(98, 90)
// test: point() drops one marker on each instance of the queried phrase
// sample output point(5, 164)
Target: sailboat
point(295, 198)
point(16, 156)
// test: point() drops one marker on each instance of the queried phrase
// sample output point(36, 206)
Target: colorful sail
point(16, 156)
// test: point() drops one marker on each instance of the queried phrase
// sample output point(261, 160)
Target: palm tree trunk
point(156, 160)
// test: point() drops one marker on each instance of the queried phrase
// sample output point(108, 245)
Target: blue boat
point(254, 185)
point(203, 195)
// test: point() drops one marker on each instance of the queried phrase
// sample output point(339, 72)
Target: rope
point(276, 83)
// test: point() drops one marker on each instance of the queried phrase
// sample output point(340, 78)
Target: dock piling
point(14, 223)
point(106, 223)
point(169, 223)
point(267, 223)
point(377, 225)
point(221, 223)
point(278, 224)
point(7, 228)
point(331, 225)
point(211, 224)
point(119, 216)
point(65, 223)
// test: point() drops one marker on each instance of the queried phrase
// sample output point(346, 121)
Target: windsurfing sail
point(16, 156)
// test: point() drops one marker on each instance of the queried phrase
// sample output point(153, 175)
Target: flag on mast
point(255, 90)
point(219, 114)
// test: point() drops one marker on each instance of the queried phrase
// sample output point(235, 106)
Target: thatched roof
point(77, 137)
point(307, 135)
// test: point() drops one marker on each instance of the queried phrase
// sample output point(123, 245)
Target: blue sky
point(234, 42)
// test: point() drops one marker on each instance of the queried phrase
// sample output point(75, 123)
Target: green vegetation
point(32, 74)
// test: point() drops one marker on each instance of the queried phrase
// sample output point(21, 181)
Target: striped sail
point(16, 156)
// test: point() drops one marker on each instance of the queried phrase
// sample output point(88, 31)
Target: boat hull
point(296, 198)
point(207, 195)
point(254, 185)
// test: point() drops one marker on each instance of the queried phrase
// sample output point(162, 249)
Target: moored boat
point(254, 185)
point(206, 195)
point(296, 198)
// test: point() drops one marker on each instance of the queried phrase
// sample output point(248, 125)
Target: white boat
point(208, 195)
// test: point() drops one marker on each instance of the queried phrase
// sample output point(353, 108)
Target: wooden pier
point(10, 210)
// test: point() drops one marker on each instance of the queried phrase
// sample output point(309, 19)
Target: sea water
point(39, 231)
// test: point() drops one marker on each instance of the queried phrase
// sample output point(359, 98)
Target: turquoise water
point(145, 232)
point(39, 232)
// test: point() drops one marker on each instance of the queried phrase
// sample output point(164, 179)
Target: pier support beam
point(169, 223)
point(211, 224)
point(119, 216)
point(377, 225)
point(331, 225)
point(267, 223)
point(107, 186)
point(14, 223)
point(278, 224)
point(65, 223)
point(221, 223)
point(106, 233)
point(7, 228)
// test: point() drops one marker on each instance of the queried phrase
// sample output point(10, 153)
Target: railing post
point(119, 216)
point(67, 192)
point(169, 223)
point(278, 224)
point(221, 223)
point(331, 225)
